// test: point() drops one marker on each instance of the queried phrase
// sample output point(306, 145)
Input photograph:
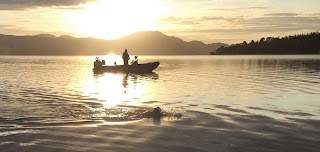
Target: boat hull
point(140, 68)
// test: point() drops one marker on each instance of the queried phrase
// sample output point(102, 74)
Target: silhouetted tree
point(244, 43)
point(297, 44)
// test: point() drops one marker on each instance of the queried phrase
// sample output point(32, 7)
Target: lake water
point(226, 103)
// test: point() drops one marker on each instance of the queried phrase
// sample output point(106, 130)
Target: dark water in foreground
point(228, 103)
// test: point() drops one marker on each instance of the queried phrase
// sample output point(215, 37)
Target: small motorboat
point(134, 68)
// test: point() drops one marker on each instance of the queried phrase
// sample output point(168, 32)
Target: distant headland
point(140, 43)
point(297, 44)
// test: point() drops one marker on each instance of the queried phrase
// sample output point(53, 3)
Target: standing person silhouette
point(125, 57)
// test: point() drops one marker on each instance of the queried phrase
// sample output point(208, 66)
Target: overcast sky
point(228, 21)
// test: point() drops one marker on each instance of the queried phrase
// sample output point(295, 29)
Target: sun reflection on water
point(119, 97)
point(114, 89)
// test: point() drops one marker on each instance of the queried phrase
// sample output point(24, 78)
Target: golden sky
point(228, 21)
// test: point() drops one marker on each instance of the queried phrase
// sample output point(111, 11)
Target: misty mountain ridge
point(139, 43)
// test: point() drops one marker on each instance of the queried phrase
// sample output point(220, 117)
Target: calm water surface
point(227, 103)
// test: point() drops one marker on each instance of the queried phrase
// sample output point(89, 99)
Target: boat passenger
point(125, 57)
point(135, 61)
point(97, 63)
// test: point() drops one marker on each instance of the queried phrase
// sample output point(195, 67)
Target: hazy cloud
point(228, 19)
point(269, 25)
point(6, 26)
point(174, 19)
point(69, 7)
point(170, 19)
point(188, 23)
point(233, 28)
point(282, 14)
point(15, 30)
point(284, 21)
point(179, 20)
point(241, 8)
point(316, 14)
point(213, 18)
point(24, 4)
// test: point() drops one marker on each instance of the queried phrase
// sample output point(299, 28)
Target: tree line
point(298, 44)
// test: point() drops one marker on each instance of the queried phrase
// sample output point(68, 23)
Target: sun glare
point(114, 89)
point(112, 19)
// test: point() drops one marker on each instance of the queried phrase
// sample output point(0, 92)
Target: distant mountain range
point(140, 43)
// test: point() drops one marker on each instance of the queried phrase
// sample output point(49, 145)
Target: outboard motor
point(103, 62)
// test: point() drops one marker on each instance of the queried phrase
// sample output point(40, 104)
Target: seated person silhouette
point(135, 61)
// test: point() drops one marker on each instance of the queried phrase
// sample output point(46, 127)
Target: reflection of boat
point(138, 78)
point(138, 68)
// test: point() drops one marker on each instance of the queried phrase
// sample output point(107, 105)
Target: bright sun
point(112, 19)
